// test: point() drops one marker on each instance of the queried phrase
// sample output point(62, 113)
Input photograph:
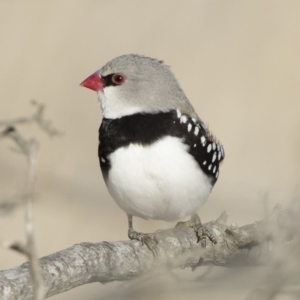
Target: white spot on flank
point(194, 120)
point(103, 160)
point(208, 148)
point(214, 157)
point(203, 140)
point(214, 146)
point(222, 150)
point(209, 167)
point(204, 163)
point(189, 127)
point(196, 130)
point(214, 169)
point(219, 155)
point(218, 147)
point(217, 174)
point(178, 113)
point(183, 119)
point(174, 122)
point(195, 145)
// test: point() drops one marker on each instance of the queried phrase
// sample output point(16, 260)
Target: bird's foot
point(146, 238)
point(202, 231)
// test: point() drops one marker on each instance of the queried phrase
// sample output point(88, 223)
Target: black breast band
point(146, 129)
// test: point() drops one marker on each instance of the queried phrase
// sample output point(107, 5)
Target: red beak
point(93, 82)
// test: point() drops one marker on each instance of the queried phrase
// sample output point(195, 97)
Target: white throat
point(112, 106)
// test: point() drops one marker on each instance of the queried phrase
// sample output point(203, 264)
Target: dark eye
point(118, 79)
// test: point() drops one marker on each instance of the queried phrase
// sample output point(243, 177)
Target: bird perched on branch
point(158, 159)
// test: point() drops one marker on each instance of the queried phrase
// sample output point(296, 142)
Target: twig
point(31, 149)
point(16, 246)
point(35, 271)
point(38, 117)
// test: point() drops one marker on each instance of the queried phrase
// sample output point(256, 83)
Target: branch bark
point(123, 260)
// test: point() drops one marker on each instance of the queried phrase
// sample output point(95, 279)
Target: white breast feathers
point(160, 181)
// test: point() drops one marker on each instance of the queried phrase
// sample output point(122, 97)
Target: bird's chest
point(159, 166)
point(158, 181)
point(147, 129)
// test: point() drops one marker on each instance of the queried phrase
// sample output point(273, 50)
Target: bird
point(158, 158)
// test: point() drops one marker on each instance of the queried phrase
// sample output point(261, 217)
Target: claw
point(147, 239)
point(150, 241)
point(203, 233)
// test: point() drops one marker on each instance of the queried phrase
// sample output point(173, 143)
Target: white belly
point(161, 181)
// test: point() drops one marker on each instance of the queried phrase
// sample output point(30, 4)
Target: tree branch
point(123, 260)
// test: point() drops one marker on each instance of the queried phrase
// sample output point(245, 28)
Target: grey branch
point(123, 260)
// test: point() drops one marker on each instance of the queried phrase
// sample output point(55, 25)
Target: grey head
point(139, 84)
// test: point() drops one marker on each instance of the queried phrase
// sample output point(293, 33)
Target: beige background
point(238, 62)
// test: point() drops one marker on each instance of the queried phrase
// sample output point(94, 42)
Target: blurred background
point(237, 61)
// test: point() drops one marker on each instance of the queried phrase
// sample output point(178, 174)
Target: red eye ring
point(118, 79)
